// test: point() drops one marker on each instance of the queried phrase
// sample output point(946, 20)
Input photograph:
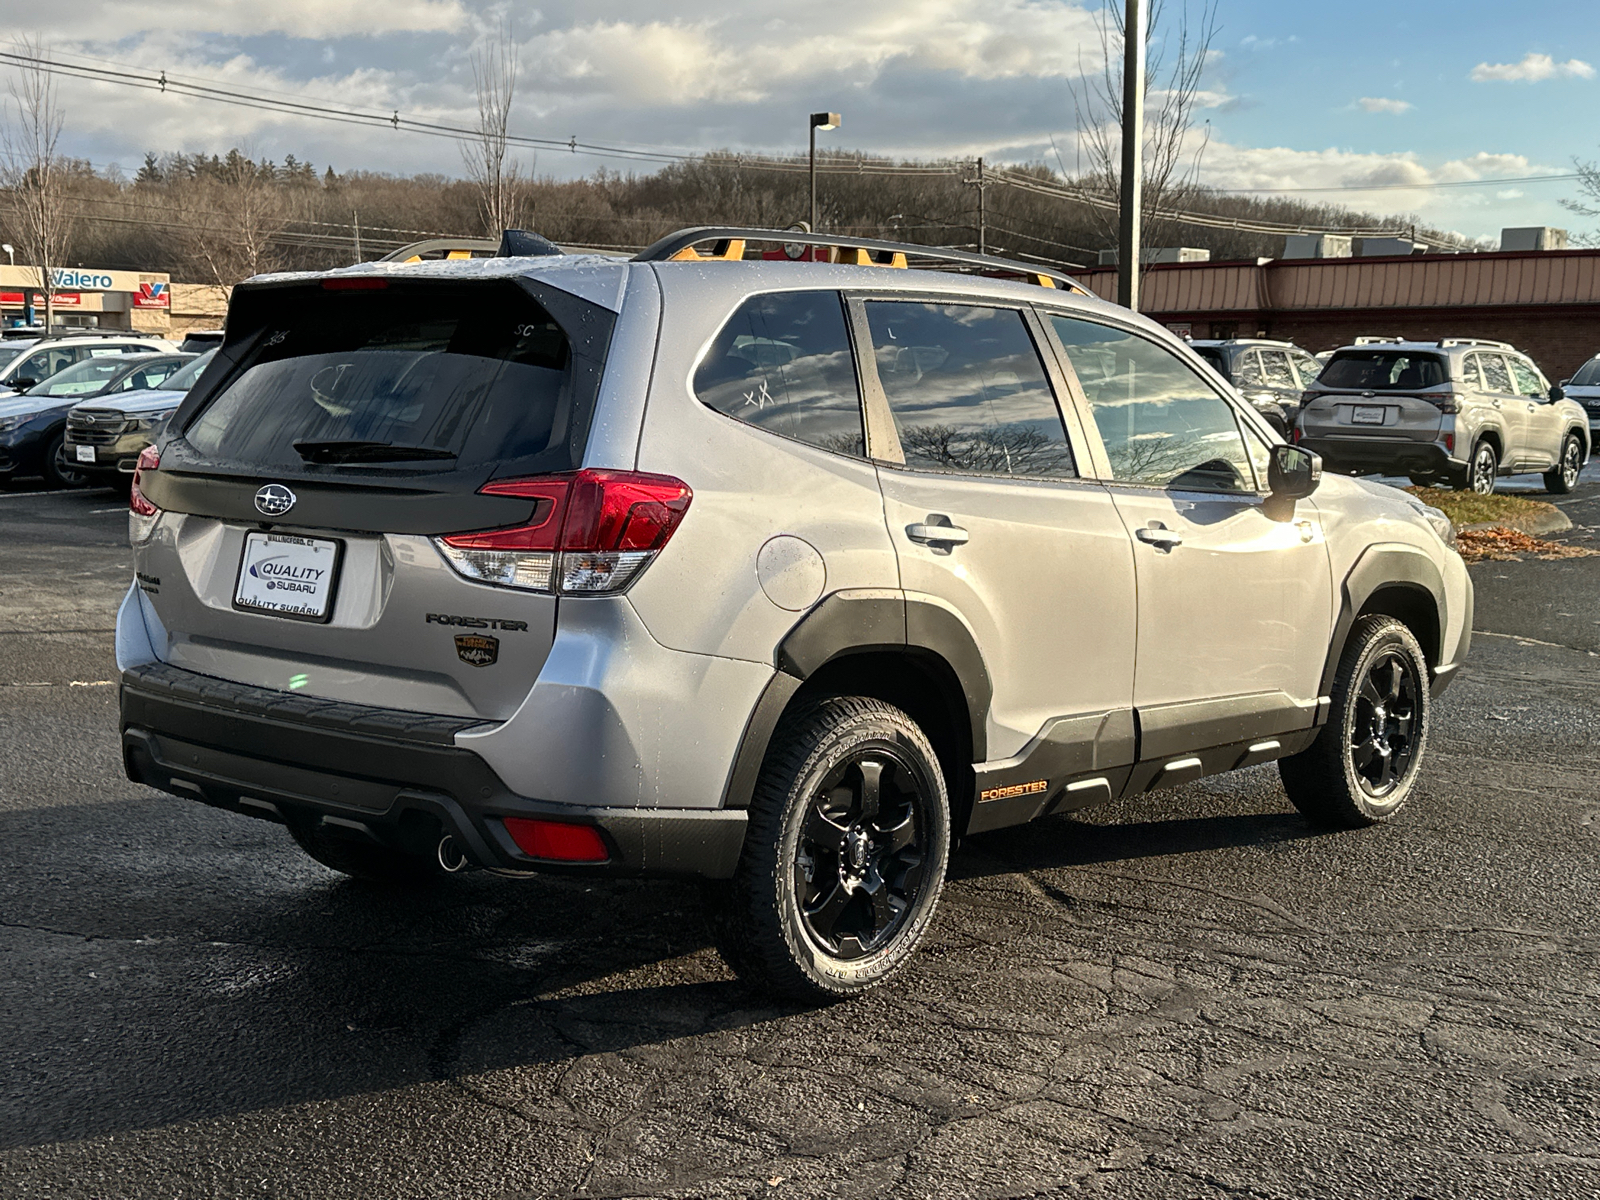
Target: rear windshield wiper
point(366, 452)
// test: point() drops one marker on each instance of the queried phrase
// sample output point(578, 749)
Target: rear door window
point(1495, 376)
point(1249, 369)
point(418, 377)
point(967, 390)
point(1160, 422)
point(1275, 365)
point(783, 363)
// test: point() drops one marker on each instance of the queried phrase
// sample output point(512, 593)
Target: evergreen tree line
point(222, 218)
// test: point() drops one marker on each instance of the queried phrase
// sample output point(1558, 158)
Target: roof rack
point(450, 248)
point(1368, 340)
point(1443, 342)
point(729, 244)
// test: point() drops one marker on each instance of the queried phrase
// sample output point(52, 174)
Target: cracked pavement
point(1190, 994)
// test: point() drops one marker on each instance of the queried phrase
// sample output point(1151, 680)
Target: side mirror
point(23, 382)
point(1557, 392)
point(1294, 472)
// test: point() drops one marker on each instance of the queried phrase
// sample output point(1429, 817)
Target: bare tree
point(1179, 49)
point(1589, 205)
point(33, 172)
point(232, 219)
point(499, 179)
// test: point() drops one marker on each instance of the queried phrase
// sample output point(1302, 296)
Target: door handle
point(938, 535)
point(1497, 403)
point(1159, 536)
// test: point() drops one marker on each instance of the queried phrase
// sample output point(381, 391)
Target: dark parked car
point(1584, 389)
point(105, 434)
point(33, 423)
point(1271, 375)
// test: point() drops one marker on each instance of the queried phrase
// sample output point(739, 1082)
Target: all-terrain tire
point(1561, 479)
point(844, 857)
point(364, 860)
point(1365, 762)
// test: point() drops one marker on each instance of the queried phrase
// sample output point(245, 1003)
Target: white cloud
point(743, 60)
point(1532, 69)
point(1380, 104)
point(111, 20)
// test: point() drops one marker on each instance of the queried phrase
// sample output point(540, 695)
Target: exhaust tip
point(451, 857)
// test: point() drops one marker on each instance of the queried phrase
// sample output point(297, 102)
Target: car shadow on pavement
point(166, 963)
point(1072, 841)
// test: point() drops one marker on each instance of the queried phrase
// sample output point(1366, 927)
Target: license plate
point(1367, 414)
point(84, 453)
point(288, 576)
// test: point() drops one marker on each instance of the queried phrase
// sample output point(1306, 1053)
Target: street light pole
point(1130, 231)
point(823, 121)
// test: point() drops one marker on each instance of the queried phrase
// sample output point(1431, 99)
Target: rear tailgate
point(340, 432)
point(1368, 414)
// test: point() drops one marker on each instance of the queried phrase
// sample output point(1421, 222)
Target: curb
point(1533, 524)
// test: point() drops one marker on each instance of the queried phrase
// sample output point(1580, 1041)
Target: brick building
point(1546, 303)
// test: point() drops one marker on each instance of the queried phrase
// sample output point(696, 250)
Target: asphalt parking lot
point(1192, 994)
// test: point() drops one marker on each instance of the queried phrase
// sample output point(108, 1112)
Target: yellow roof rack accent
point(728, 248)
point(855, 256)
point(1043, 281)
point(459, 254)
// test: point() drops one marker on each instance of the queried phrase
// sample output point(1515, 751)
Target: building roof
point(1515, 278)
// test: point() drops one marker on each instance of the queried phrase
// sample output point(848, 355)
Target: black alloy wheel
point(1365, 762)
point(1483, 470)
point(1383, 739)
point(844, 856)
point(859, 860)
point(1568, 467)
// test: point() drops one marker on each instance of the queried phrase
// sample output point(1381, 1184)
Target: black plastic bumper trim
point(237, 756)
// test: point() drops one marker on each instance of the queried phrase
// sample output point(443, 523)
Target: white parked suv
point(782, 574)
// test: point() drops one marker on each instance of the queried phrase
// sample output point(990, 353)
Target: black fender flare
point(857, 621)
point(1385, 565)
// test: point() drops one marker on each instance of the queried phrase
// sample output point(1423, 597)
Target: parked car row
point(1461, 412)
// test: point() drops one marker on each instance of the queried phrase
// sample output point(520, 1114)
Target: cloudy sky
point(1361, 93)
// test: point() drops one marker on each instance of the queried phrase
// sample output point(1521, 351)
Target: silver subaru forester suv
point(1462, 411)
point(781, 574)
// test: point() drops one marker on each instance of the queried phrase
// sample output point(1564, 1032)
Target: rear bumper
point(395, 777)
point(1390, 455)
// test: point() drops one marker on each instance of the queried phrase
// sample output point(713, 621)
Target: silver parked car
point(782, 574)
point(1461, 411)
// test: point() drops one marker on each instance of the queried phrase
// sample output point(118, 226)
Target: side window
point(1160, 423)
point(1276, 365)
point(1308, 367)
point(1470, 375)
point(1495, 376)
point(1247, 369)
point(1528, 381)
point(783, 363)
point(967, 390)
point(1260, 453)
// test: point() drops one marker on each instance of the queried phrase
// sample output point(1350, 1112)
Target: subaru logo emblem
point(274, 500)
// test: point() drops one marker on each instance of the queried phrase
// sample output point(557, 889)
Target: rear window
point(411, 377)
point(1588, 375)
point(1382, 371)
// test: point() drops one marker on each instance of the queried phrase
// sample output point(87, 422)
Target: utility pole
point(822, 121)
point(1130, 231)
point(356, 216)
point(982, 185)
point(983, 213)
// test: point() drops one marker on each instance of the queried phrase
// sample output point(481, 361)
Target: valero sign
point(82, 281)
point(153, 295)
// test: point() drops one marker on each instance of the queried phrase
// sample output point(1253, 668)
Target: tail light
point(142, 515)
point(557, 841)
point(591, 532)
point(1446, 402)
point(1449, 443)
